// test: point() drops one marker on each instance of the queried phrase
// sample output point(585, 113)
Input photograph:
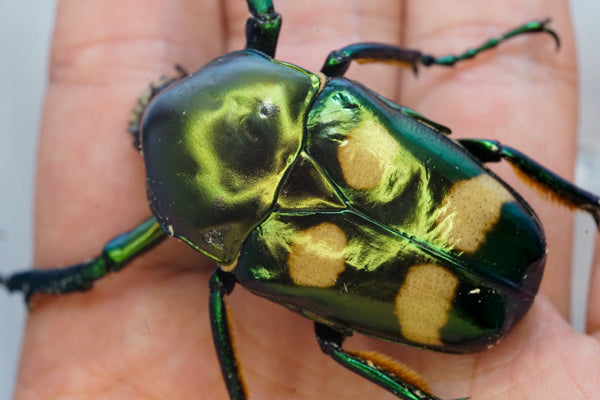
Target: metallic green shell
point(400, 234)
point(340, 204)
point(217, 144)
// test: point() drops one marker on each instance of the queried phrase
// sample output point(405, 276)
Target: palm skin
point(144, 333)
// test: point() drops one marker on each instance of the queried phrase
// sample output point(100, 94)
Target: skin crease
point(144, 333)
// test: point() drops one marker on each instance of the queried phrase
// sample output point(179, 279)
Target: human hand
point(144, 333)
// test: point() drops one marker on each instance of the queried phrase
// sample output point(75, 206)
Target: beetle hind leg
point(561, 189)
point(379, 369)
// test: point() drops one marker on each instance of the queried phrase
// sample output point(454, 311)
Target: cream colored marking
point(317, 255)
point(230, 267)
point(322, 80)
point(423, 302)
point(367, 155)
point(470, 209)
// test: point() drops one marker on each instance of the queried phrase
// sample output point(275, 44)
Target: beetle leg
point(80, 277)
point(338, 61)
point(221, 284)
point(563, 190)
point(262, 28)
point(372, 368)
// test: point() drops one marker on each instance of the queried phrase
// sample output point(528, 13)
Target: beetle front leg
point(80, 277)
point(221, 284)
point(338, 61)
point(563, 190)
point(388, 374)
point(262, 29)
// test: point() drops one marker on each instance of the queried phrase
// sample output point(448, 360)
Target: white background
point(25, 29)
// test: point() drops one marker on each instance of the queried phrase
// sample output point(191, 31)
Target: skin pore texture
point(144, 333)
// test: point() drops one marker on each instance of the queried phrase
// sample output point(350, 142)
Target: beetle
point(355, 212)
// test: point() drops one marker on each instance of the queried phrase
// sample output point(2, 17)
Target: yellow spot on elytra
point(367, 155)
point(470, 210)
point(317, 255)
point(423, 302)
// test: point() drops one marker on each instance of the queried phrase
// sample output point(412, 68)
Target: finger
point(522, 93)
point(277, 348)
point(100, 62)
point(91, 187)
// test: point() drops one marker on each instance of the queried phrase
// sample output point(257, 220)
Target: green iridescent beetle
point(321, 195)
